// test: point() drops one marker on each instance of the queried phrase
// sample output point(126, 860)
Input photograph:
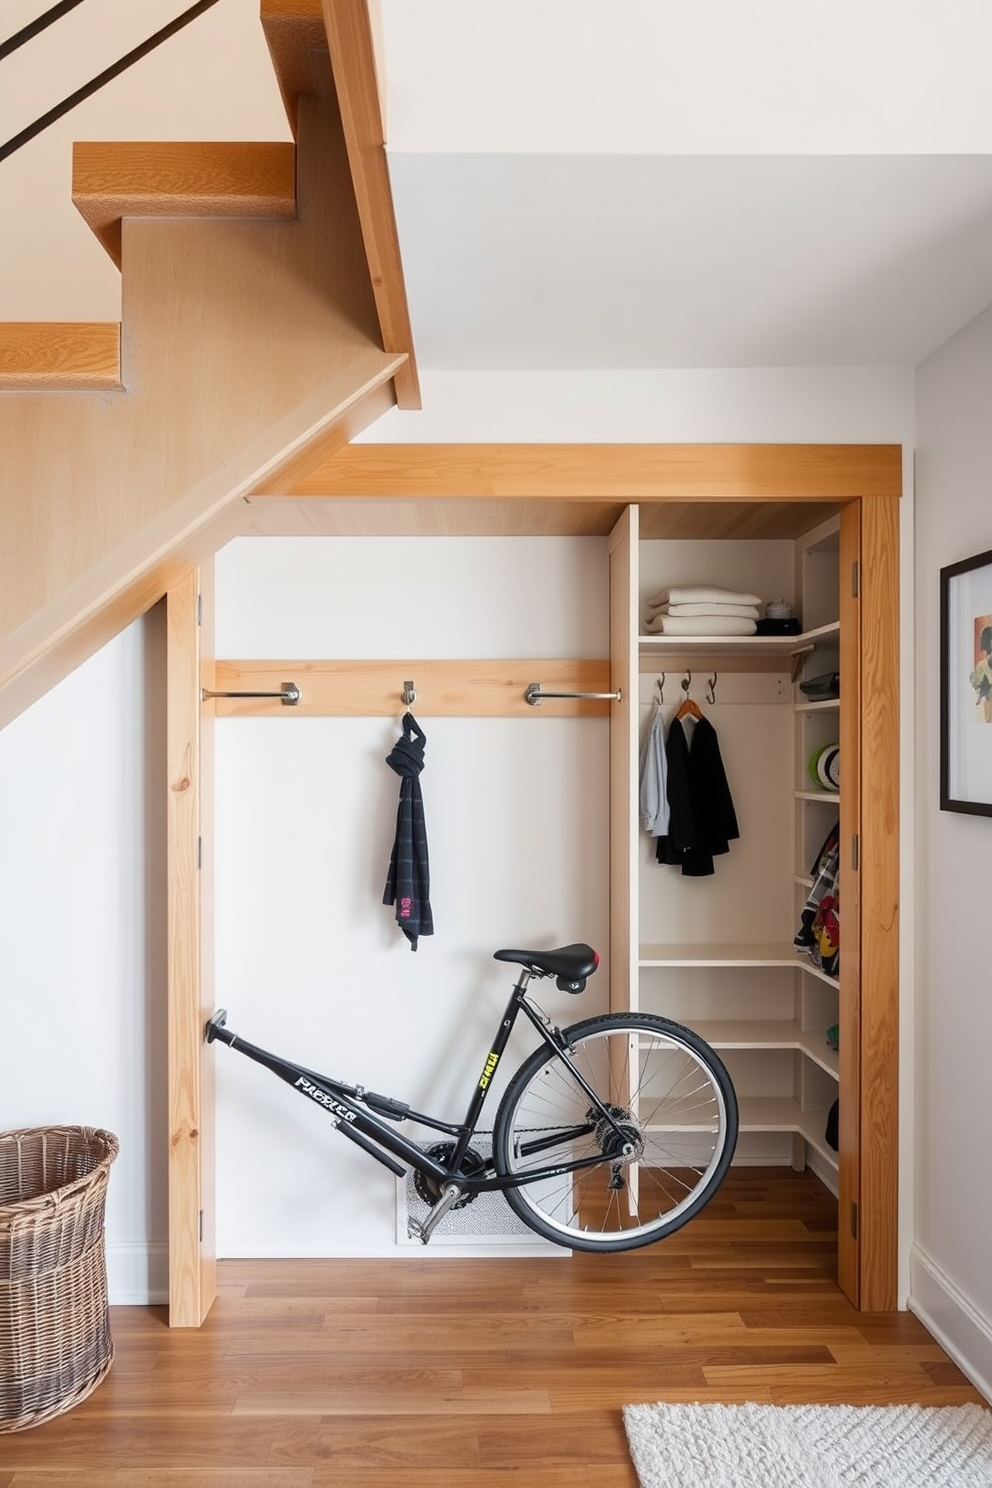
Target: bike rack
point(289, 694)
point(535, 695)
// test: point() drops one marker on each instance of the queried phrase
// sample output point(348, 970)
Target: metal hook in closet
point(409, 694)
point(687, 683)
point(711, 689)
point(659, 687)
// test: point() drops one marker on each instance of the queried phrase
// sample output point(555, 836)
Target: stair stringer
point(243, 343)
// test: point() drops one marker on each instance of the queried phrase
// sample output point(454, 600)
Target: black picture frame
point(966, 686)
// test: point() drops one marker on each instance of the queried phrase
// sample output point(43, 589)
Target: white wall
point(310, 963)
point(82, 927)
point(951, 1281)
point(81, 843)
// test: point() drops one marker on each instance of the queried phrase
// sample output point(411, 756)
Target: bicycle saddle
point(570, 964)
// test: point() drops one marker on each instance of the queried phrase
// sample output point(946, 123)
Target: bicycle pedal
point(415, 1231)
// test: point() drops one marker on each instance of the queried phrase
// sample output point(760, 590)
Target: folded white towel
point(742, 612)
point(701, 594)
point(700, 625)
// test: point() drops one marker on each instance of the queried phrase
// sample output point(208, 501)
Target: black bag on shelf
point(823, 688)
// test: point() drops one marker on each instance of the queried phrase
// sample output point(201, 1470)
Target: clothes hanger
point(688, 708)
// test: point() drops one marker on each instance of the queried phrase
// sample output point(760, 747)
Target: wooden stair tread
point(294, 30)
point(35, 354)
point(111, 180)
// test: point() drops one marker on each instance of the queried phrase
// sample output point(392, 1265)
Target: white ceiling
point(587, 183)
point(538, 261)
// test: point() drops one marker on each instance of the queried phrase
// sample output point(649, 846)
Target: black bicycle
point(612, 1134)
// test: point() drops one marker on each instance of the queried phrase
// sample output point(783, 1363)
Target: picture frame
point(966, 686)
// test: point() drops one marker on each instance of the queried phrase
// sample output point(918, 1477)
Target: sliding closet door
point(623, 762)
point(849, 1151)
point(878, 1014)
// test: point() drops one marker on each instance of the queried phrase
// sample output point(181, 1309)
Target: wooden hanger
point(689, 707)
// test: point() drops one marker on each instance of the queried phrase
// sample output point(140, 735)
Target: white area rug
point(810, 1446)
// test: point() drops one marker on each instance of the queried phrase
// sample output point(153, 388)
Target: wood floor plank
point(605, 1475)
point(346, 1400)
point(450, 1371)
point(242, 1477)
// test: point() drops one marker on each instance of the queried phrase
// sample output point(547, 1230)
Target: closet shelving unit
point(764, 1005)
point(716, 492)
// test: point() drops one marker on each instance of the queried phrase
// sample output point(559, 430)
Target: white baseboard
point(137, 1275)
point(954, 1321)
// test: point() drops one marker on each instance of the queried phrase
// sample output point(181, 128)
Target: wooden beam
point(191, 1273)
point(60, 355)
point(628, 472)
point(351, 421)
point(125, 179)
point(445, 689)
point(879, 888)
point(352, 43)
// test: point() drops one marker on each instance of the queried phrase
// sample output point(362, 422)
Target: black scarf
point(408, 881)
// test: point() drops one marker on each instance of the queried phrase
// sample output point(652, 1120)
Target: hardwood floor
point(440, 1373)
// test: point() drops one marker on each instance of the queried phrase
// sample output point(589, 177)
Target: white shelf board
point(777, 1113)
point(802, 795)
point(820, 633)
point(811, 1127)
point(803, 880)
point(831, 705)
point(780, 953)
point(805, 964)
point(725, 653)
point(767, 1033)
point(740, 953)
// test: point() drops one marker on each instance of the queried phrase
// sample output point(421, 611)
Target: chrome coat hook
point(409, 694)
point(711, 689)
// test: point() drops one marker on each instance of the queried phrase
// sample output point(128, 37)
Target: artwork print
point(966, 686)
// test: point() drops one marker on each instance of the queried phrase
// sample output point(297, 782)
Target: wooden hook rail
point(380, 689)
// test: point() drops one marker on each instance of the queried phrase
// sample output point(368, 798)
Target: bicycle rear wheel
point(650, 1169)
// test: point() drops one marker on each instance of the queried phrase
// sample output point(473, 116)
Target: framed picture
point(966, 686)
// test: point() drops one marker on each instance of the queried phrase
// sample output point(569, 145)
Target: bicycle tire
point(679, 1118)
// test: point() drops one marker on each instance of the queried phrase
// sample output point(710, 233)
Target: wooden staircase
point(264, 323)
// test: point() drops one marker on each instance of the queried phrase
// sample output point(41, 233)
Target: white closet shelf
point(767, 1033)
point(731, 651)
point(777, 953)
point(821, 633)
point(769, 1114)
point(818, 796)
point(830, 706)
point(805, 964)
point(803, 880)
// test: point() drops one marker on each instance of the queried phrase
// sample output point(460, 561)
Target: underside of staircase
point(264, 323)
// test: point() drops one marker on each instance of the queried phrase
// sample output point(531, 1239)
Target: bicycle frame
point(353, 1111)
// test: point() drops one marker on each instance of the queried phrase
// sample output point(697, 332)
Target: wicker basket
point(55, 1343)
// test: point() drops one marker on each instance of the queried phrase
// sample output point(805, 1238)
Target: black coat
point(408, 882)
point(703, 822)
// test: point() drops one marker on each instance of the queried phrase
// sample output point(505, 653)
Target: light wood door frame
point(602, 479)
point(189, 728)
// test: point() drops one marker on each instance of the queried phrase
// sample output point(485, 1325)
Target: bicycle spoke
point(663, 1123)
